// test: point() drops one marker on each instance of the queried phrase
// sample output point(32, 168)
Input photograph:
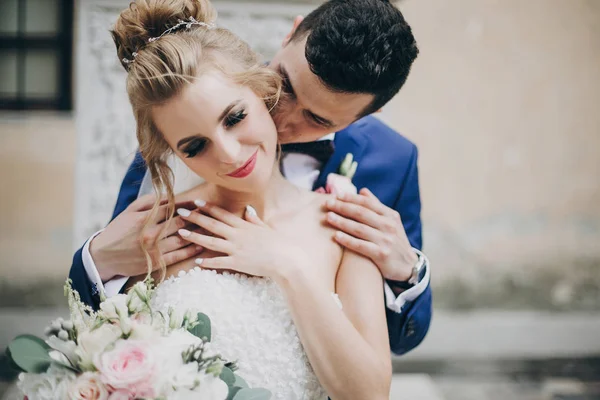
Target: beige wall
point(37, 155)
point(503, 103)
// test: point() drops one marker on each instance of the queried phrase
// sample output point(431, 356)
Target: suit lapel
point(346, 141)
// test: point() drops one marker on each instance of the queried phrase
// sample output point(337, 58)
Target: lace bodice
point(251, 324)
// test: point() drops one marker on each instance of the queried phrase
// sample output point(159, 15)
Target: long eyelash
point(194, 148)
point(233, 119)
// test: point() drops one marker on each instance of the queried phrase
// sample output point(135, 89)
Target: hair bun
point(145, 19)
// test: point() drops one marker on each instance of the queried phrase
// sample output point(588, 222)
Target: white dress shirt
point(300, 169)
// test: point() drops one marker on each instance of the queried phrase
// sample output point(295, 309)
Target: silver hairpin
point(188, 24)
point(191, 21)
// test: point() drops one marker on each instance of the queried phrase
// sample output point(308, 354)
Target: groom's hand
point(374, 230)
point(117, 251)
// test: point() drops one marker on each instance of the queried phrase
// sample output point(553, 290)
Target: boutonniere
point(341, 182)
point(348, 166)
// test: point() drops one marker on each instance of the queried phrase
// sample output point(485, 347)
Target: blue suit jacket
point(387, 166)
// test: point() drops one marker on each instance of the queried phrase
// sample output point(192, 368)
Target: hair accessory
point(187, 24)
point(180, 23)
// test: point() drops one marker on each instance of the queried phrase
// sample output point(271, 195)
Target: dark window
point(36, 46)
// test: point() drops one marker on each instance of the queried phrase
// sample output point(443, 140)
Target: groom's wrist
point(101, 261)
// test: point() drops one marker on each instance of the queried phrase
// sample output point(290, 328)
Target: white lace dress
point(251, 324)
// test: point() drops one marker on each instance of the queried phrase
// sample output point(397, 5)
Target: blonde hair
point(162, 68)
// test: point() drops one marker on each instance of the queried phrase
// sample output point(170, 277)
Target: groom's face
point(310, 110)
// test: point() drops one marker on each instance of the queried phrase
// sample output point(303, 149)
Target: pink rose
point(130, 366)
point(88, 386)
point(337, 185)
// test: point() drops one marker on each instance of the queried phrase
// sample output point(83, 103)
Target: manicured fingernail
point(184, 232)
point(199, 261)
point(330, 203)
point(183, 212)
point(331, 216)
point(339, 234)
point(199, 203)
point(251, 211)
point(198, 248)
point(341, 195)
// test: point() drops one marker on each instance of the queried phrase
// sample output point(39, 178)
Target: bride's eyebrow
point(228, 109)
point(223, 114)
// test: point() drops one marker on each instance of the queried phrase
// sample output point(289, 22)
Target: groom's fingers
point(173, 225)
point(352, 228)
point(359, 246)
point(370, 202)
point(184, 253)
point(172, 243)
point(355, 212)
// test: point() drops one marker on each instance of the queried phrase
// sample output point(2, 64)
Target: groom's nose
point(288, 122)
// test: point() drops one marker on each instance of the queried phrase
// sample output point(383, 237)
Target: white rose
point(93, 342)
point(183, 378)
point(143, 331)
point(52, 384)
point(114, 307)
point(210, 388)
point(88, 386)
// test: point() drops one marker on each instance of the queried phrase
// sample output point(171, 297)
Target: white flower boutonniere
point(348, 166)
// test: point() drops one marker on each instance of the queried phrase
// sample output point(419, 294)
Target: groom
point(340, 64)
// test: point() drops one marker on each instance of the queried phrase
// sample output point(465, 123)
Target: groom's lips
point(245, 169)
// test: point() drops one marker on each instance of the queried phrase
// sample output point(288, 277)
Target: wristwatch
point(417, 273)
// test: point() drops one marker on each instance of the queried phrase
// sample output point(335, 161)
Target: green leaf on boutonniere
point(348, 166)
point(30, 353)
point(252, 394)
point(203, 329)
point(227, 376)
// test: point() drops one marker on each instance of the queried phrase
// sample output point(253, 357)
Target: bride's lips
point(245, 169)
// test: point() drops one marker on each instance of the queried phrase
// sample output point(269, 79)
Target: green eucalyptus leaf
point(227, 376)
point(233, 391)
point(239, 381)
point(30, 353)
point(203, 329)
point(252, 394)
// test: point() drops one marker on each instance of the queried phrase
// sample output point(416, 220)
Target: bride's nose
point(227, 149)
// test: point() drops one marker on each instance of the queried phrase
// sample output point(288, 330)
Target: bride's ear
point(297, 21)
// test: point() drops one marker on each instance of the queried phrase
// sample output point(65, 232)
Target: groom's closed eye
point(288, 88)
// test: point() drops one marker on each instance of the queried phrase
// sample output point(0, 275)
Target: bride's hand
point(250, 246)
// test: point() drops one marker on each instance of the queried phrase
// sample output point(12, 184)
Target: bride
point(301, 316)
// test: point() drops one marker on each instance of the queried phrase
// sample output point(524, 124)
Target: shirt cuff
point(396, 303)
point(109, 288)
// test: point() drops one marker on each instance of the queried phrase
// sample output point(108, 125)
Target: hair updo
point(159, 70)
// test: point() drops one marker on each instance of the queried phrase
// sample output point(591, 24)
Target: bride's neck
point(277, 195)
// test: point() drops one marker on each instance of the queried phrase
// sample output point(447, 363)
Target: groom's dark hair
point(359, 46)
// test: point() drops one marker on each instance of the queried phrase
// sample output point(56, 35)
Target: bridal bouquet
point(126, 351)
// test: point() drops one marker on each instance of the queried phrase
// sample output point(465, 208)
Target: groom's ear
point(297, 21)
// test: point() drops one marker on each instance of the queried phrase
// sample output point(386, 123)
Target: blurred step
point(414, 387)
